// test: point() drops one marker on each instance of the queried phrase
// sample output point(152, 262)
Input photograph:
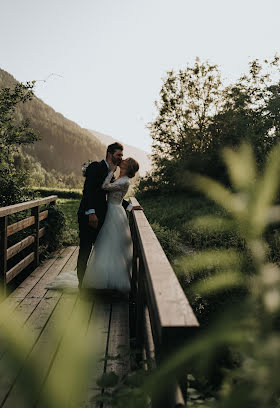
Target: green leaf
point(241, 165)
point(210, 259)
point(219, 282)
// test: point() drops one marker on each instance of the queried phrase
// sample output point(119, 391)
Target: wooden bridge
point(155, 320)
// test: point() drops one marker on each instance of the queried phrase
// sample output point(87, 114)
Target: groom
point(93, 206)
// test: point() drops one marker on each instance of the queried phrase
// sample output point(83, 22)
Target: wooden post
point(134, 261)
point(170, 395)
point(3, 253)
point(140, 309)
point(35, 213)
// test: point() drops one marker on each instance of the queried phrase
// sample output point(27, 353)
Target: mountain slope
point(64, 146)
point(129, 151)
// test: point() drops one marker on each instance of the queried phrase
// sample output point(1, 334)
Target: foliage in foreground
point(66, 383)
point(249, 328)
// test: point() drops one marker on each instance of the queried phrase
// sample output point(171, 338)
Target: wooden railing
point(164, 319)
point(7, 230)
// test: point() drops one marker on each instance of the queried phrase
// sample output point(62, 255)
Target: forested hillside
point(63, 146)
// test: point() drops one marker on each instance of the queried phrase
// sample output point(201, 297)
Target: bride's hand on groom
point(113, 167)
point(93, 221)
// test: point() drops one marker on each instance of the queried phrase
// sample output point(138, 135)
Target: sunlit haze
point(110, 56)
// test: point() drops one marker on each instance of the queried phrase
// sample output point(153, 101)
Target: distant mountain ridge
point(64, 146)
point(129, 151)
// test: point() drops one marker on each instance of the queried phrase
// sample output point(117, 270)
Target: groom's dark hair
point(113, 147)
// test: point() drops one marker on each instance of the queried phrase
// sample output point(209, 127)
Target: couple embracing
point(104, 224)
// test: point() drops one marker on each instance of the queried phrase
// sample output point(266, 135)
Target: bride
point(109, 264)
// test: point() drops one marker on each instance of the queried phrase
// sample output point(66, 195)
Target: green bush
point(55, 225)
point(169, 240)
point(69, 207)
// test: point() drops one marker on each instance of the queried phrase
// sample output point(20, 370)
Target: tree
point(13, 134)
point(198, 116)
point(188, 101)
point(250, 111)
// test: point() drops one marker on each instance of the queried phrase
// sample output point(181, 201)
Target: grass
point(60, 192)
point(176, 212)
point(175, 215)
point(69, 206)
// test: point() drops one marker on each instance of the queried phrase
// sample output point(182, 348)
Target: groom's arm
point(126, 205)
point(129, 207)
point(92, 183)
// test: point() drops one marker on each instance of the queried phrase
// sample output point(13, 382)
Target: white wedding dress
point(110, 260)
point(109, 264)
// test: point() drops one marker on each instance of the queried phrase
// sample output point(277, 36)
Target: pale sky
point(113, 54)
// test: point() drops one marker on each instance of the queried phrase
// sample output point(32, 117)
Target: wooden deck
point(39, 309)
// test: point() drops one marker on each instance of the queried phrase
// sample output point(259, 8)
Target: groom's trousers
point(87, 237)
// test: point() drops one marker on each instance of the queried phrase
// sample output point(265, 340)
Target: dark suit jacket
point(94, 197)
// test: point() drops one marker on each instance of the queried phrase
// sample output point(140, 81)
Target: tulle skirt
point(109, 264)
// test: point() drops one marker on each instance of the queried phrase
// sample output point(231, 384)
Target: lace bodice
point(116, 190)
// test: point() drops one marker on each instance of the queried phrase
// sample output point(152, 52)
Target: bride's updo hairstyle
point(132, 167)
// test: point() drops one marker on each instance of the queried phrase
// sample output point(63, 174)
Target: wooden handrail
point(12, 209)
point(164, 318)
point(32, 240)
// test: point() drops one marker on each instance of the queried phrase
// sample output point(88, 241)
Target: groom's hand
point(93, 221)
point(137, 207)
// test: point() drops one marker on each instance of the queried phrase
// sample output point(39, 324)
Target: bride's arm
point(108, 186)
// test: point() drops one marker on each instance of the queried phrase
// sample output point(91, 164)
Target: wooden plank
point(27, 285)
point(20, 266)
point(149, 342)
point(98, 331)
point(43, 351)
point(39, 317)
point(119, 337)
point(68, 260)
point(3, 253)
point(17, 301)
point(119, 342)
point(43, 215)
point(35, 213)
point(42, 232)
point(20, 225)
point(22, 313)
point(11, 209)
point(17, 248)
point(81, 313)
point(49, 269)
point(36, 324)
point(26, 306)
